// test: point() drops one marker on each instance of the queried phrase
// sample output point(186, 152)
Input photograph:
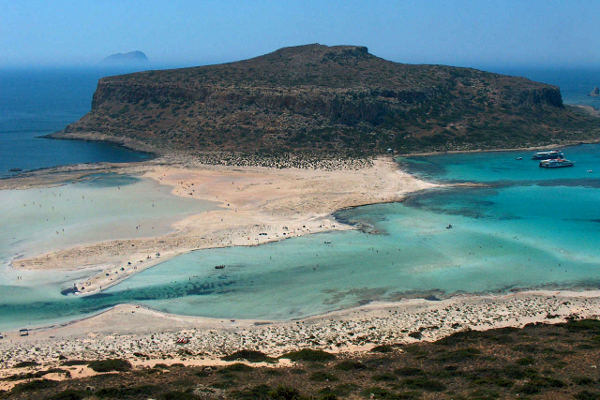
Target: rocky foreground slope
point(328, 100)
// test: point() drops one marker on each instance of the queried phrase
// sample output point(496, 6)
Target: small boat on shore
point(548, 155)
point(556, 163)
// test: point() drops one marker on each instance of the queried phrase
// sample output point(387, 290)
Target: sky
point(538, 33)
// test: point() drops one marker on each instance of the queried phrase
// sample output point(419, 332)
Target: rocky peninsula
point(322, 100)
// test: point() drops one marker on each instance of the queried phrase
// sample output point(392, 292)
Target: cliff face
point(324, 99)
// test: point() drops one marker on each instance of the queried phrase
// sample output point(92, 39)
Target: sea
point(521, 227)
point(38, 101)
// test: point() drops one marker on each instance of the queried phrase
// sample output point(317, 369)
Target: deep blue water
point(36, 102)
point(575, 84)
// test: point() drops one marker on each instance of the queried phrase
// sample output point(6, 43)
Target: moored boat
point(556, 163)
point(547, 155)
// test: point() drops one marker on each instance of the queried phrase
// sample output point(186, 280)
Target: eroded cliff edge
point(338, 100)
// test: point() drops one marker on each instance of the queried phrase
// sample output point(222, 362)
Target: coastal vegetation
point(327, 102)
point(537, 361)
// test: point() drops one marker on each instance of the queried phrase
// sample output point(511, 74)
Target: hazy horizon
point(537, 33)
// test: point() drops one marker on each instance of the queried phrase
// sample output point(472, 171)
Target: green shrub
point(309, 355)
point(587, 395)
point(284, 393)
point(34, 385)
point(408, 371)
point(321, 376)
point(350, 365)
point(120, 392)
point(237, 367)
point(25, 364)
point(67, 395)
point(179, 396)
point(115, 364)
point(380, 393)
point(69, 363)
point(384, 348)
point(384, 378)
point(344, 389)
point(583, 325)
point(249, 355)
point(459, 355)
point(525, 361)
point(583, 380)
point(424, 383)
point(259, 392)
point(328, 396)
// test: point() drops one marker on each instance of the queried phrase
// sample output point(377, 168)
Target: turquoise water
point(101, 207)
point(504, 167)
point(510, 235)
point(528, 228)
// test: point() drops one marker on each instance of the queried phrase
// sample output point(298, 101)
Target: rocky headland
point(324, 101)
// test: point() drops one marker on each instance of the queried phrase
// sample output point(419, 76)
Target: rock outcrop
point(326, 100)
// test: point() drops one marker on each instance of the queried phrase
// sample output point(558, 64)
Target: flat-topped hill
point(328, 100)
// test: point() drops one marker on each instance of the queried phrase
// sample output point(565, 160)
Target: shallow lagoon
point(515, 233)
point(100, 207)
point(512, 234)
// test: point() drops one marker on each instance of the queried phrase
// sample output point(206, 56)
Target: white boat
point(548, 155)
point(556, 163)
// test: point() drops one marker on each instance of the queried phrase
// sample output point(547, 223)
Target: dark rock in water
point(432, 298)
point(595, 92)
point(71, 290)
point(132, 58)
point(15, 170)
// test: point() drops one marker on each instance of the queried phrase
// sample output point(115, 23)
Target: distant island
point(323, 100)
point(132, 58)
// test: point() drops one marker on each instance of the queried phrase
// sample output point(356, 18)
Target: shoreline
point(499, 150)
point(127, 330)
point(258, 205)
point(259, 200)
point(137, 145)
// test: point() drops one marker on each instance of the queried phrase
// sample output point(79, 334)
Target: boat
point(219, 266)
point(548, 155)
point(556, 163)
point(519, 158)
